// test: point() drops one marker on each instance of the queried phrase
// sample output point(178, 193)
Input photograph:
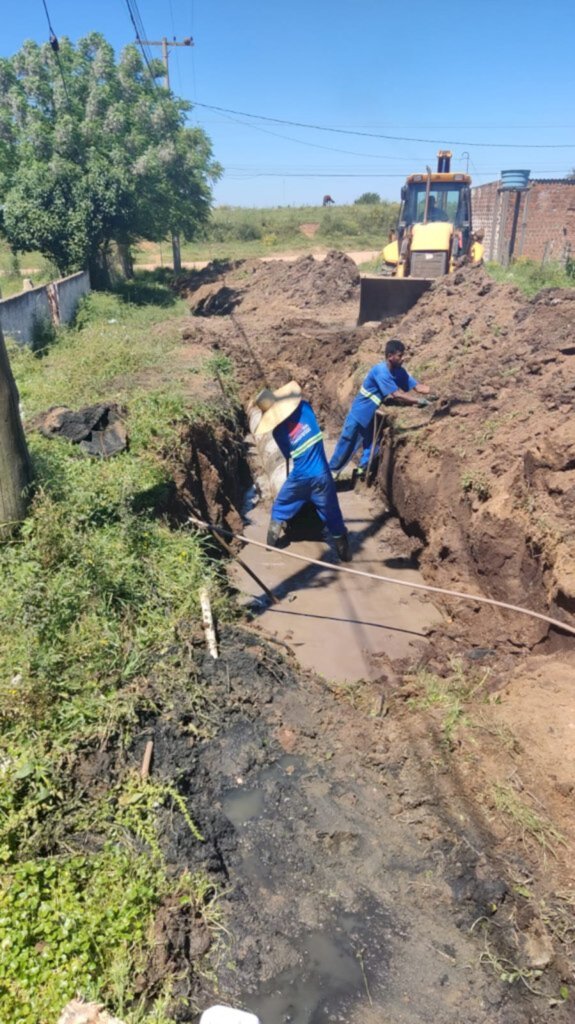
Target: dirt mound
point(270, 287)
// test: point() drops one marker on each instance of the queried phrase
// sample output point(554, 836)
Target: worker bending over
point(298, 436)
point(388, 379)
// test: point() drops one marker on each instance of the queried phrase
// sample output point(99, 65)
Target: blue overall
point(358, 428)
point(300, 438)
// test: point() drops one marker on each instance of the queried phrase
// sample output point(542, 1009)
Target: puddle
point(337, 624)
point(328, 978)
point(336, 972)
point(241, 805)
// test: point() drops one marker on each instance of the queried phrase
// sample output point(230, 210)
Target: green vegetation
point(234, 232)
point(449, 694)
point(95, 591)
point(474, 482)
point(369, 198)
point(531, 276)
point(94, 151)
point(528, 821)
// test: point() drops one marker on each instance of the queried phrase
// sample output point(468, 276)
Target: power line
point(392, 138)
point(56, 51)
point(139, 32)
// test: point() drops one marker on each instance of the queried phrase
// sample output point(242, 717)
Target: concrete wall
point(538, 224)
point(55, 303)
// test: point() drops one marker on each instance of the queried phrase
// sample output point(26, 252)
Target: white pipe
point(208, 622)
point(476, 598)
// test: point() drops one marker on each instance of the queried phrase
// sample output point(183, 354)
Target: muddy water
point(344, 627)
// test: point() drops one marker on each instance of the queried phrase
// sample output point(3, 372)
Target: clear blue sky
point(460, 75)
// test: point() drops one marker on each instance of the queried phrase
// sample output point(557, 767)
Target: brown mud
point(401, 847)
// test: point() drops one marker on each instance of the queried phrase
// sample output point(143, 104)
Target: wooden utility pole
point(188, 41)
point(15, 465)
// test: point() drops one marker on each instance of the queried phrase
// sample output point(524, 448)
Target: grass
point(531, 276)
point(449, 695)
point(474, 482)
point(235, 232)
point(13, 270)
point(527, 820)
point(95, 591)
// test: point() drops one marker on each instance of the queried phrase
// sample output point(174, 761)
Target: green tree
point(94, 151)
point(368, 198)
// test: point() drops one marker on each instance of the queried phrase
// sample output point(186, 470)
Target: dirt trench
point(369, 863)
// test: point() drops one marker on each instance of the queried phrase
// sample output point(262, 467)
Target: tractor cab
point(434, 227)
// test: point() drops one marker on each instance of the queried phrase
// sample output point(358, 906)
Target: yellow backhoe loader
point(433, 236)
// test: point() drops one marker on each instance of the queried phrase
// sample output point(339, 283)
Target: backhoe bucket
point(380, 297)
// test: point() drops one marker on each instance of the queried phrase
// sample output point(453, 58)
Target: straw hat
point(276, 406)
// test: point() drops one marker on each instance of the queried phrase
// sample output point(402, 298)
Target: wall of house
point(538, 224)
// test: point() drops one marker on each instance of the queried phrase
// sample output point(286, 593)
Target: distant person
point(298, 436)
point(477, 249)
point(387, 379)
point(328, 201)
point(435, 212)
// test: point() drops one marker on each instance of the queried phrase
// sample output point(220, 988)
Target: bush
point(368, 198)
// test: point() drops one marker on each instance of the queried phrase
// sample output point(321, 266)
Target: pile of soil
point(269, 288)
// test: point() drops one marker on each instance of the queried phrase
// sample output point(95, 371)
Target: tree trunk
point(99, 269)
point(126, 261)
point(176, 253)
point(15, 465)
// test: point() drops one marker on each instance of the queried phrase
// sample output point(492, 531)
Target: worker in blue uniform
point(388, 379)
point(299, 438)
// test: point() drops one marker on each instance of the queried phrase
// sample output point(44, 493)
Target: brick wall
point(538, 224)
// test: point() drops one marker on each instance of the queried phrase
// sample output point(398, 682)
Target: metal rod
point(377, 431)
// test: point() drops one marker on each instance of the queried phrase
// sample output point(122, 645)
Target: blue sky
point(491, 81)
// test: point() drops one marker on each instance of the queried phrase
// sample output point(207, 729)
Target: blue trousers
point(353, 436)
point(320, 491)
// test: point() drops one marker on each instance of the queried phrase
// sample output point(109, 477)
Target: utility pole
point(188, 41)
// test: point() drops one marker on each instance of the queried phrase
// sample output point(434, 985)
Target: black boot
point(342, 547)
point(275, 530)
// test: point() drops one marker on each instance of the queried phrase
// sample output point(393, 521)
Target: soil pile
point(269, 288)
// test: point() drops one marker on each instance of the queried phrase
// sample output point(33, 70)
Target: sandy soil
point(475, 748)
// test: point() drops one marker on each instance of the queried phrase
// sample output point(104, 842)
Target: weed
point(530, 276)
point(449, 695)
point(507, 971)
point(527, 820)
point(476, 483)
point(96, 592)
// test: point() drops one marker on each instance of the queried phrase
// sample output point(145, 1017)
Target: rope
point(387, 579)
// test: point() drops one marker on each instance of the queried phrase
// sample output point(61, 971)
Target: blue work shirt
point(379, 383)
point(300, 438)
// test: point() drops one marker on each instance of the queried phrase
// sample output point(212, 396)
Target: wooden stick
point(208, 622)
point(147, 759)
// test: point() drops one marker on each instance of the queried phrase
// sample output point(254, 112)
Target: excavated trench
point(363, 880)
point(354, 877)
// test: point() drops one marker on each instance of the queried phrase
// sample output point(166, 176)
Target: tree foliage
point(368, 198)
point(93, 150)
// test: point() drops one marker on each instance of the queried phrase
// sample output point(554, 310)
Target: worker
point(385, 380)
point(477, 249)
point(298, 436)
point(435, 212)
